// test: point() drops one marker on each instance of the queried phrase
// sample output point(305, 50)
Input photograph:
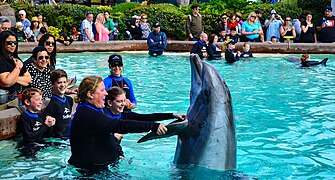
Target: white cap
point(273, 12)
point(18, 24)
point(22, 12)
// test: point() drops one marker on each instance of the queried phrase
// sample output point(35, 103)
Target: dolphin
point(308, 63)
point(207, 138)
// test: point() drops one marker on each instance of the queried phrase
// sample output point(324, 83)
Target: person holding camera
point(287, 30)
point(273, 25)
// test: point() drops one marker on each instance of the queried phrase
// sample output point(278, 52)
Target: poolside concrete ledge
point(184, 46)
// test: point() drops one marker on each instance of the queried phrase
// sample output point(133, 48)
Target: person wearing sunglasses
point(49, 42)
point(25, 22)
point(116, 79)
point(40, 72)
point(145, 26)
point(13, 75)
point(252, 29)
point(287, 30)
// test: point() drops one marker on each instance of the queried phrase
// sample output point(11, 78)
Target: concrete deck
point(185, 46)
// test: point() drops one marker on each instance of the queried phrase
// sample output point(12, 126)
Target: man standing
point(156, 41)
point(194, 26)
point(25, 22)
point(5, 24)
point(326, 27)
point(86, 28)
point(200, 47)
point(273, 25)
point(223, 26)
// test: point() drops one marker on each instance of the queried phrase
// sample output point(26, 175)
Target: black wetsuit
point(246, 54)
point(229, 56)
point(92, 144)
point(214, 52)
point(199, 48)
point(128, 115)
point(310, 63)
point(60, 109)
point(33, 128)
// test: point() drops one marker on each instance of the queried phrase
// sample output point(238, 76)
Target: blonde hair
point(252, 14)
point(98, 17)
point(88, 84)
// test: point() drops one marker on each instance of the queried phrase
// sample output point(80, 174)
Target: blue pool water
point(285, 119)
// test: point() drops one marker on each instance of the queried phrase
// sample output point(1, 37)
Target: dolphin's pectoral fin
point(174, 128)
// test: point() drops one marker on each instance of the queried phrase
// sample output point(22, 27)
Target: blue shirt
point(127, 86)
point(249, 28)
point(273, 29)
point(86, 25)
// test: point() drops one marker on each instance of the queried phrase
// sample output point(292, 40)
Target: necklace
point(118, 83)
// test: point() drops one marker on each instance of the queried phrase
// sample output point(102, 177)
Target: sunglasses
point(253, 16)
point(114, 65)
point(50, 43)
point(5, 28)
point(145, 18)
point(11, 43)
point(40, 58)
point(287, 19)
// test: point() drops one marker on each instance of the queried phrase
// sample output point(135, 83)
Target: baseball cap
point(258, 11)
point(115, 58)
point(273, 12)
point(328, 8)
point(156, 24)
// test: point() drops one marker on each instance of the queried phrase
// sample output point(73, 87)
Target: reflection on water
point(285, 120)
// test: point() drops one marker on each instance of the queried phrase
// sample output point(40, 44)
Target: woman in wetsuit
point(93, 147)
point(214, 52)
point(116, 79)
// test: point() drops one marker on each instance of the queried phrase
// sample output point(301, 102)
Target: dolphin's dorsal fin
point(174, 128)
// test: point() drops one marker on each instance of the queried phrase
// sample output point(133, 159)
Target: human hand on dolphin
point(161, 129)
point(179, 116)
point(129, 104)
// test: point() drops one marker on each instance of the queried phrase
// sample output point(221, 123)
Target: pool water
point(285, 119)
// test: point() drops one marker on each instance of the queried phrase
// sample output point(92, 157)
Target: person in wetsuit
point(214, 52)
point(93, 147)
point(60, 105)
point(246, 53)
point(116, 79)
point(32, 124)
point(200, 47)
point(115, 103)
point(229, 54)
point(305, 62)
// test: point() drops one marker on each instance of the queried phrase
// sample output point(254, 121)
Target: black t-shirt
point(327, 34)
point(307, 37)
point(8, 65)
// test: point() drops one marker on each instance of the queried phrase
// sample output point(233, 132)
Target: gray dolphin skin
point(209, 139)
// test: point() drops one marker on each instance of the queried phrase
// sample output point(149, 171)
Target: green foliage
point(171, 17)
point(54, 31)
